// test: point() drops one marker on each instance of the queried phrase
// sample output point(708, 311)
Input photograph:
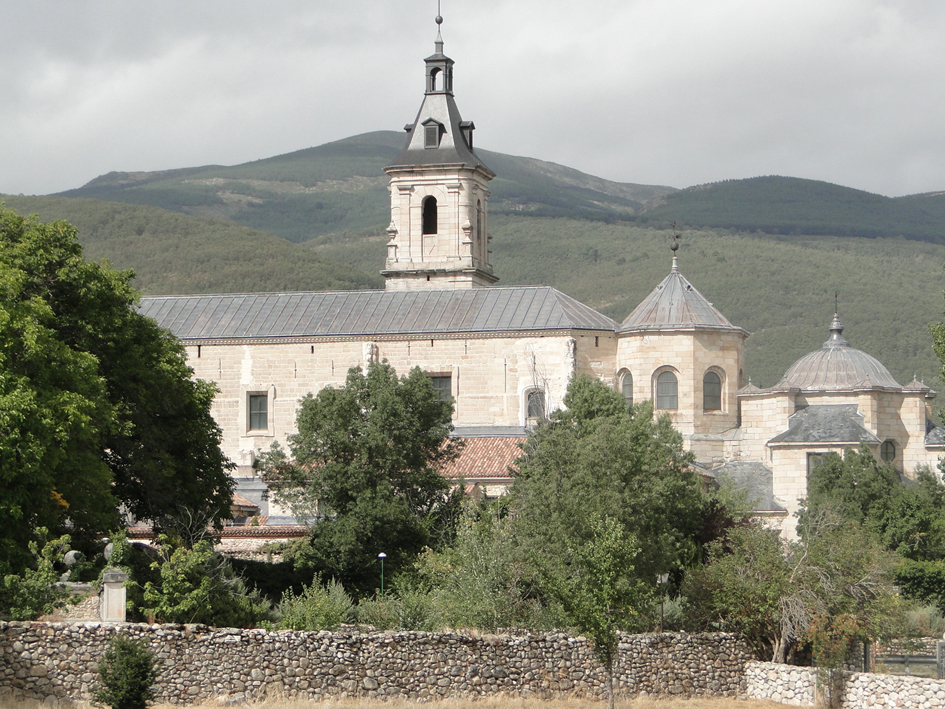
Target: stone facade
point(786, 684)
point(490, 375)
point(40, 660)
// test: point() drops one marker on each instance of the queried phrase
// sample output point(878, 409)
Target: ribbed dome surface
point(675, 303)
point(837, 367)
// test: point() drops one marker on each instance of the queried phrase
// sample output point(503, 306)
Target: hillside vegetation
point(342, 186)
point(792, 206)
point(175, 253)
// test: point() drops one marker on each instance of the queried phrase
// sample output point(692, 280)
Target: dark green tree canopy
point(598, 459)
point(365, 464)
point(97, 406)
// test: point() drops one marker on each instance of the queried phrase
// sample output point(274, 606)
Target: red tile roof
point(486, 457)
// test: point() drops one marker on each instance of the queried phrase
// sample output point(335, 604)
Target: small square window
point(258, 412)
point(443, 384)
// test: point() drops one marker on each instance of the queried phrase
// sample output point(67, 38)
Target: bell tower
point(439, 196)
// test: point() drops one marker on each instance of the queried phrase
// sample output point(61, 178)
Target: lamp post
point(382, 556)
point(661, 581)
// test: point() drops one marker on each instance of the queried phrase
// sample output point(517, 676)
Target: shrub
point(318, 607)
point(127, 671)
point(35, 591)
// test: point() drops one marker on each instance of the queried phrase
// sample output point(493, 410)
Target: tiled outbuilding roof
point(266, 315)
point(485, 458)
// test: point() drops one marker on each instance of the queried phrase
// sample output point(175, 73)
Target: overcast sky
point(673, 92)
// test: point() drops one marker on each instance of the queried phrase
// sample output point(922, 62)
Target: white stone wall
point(491, 376)
point(689, 354)
point(787, 684)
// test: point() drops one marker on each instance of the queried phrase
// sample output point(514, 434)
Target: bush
point(198, 586)
point(127, 671)
point(318, 607)
point(35, 591)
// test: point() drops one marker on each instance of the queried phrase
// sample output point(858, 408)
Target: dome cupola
point(837, 367)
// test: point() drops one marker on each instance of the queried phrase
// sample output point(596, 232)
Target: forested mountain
point(791, 206)
point(176, 253)
point(773, 254)
point(342, 186)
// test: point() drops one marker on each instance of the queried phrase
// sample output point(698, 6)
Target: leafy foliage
point(33, 591)
point(483, 580)
point(98, 405)
point(195, 585)
point(318, 607)
point(601, 591)
point(833, 587)
point(599, 459)
point(127, 671)
point(365, 464)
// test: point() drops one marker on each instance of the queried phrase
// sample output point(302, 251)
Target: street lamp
point(382, 556)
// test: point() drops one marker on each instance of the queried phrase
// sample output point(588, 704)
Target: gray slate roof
point(834, 423)
point(756, 479)
point(837, 367)
point(673, 304)
point(935, 435)
point(352, 313)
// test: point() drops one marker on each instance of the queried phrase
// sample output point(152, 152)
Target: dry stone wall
point(787, 684)
point(41, 660)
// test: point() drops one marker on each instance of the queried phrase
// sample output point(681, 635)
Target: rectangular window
point(443, 384)
point(431, 135)
point(258, 412)
point(814, 461)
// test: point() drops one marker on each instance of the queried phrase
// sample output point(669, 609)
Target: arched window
point(667, 391)
point(429, 215)
point(711, 392)
point(536, 405)
point(626, 388)
point(434, 75)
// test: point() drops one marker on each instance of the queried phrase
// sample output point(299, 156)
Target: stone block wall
point(60, 660)
point(787, 684)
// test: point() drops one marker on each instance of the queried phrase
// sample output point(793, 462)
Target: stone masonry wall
point(41, 660)
point(787, 684)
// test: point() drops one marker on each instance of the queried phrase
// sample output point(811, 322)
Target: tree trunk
point(610, 685)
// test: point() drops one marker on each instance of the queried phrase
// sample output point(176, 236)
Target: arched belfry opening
point(439, 194)
point(429, 215)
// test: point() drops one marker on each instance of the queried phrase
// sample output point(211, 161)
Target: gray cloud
point(675, 92)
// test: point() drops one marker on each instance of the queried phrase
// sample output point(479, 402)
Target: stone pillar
point(114, 598)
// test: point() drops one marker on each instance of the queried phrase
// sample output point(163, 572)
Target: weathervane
point(675, 239)
point(836, 302)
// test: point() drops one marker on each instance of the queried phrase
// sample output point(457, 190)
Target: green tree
point(600, 591)
point(365, 464)
point(778, 594)
point(97, 406)
point(34, 591)
point(482, 580)
point(127, 671)
point(196, 585)
point(597, 459)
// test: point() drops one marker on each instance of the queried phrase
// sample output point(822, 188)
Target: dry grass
point(499, 703)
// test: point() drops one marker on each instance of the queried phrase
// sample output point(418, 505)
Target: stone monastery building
point(505, 354)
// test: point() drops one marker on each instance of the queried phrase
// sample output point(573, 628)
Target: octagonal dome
point(837, 367)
